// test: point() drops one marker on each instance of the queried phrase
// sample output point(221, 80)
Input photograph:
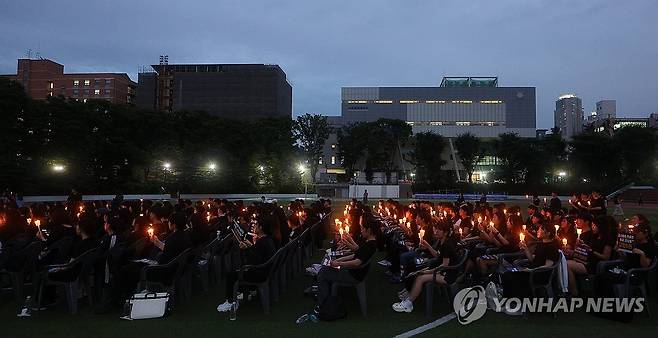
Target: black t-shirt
point(598, 244)
point(598, 203)
point(261, 251)
point(545, 251)
point(174, 244)
point(81, 246)
point(632, 260)
point(363, 253)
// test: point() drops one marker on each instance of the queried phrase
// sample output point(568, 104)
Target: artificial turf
point(198, 317)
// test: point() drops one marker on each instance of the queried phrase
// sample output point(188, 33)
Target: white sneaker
point(403, 306)
point(384, 262)
point(224, 307)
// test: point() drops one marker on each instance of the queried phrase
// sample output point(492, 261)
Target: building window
point(84, 100)
point(333, 146)
point(51, 85)
point(384, 101)
point(491, 102)
point(333, 159)
point(357, 102)
point(76, 82)
point(76, 92)
point(97, 82)
point(97, 91)
point(463, 123)
point(462, 101)
point(86, 92)
point(87, 82)
point(435, 102)
point(107, 92)
point(436, 123)
point(408, 101)
point(320, 161)
point(108, 82)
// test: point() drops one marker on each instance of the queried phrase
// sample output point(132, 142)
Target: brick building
point(43, 78)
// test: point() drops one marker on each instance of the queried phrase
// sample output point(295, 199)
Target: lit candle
point(208, 218)
point(526, 196)
point(521, 237)
point(557, 227)
point(579, 231)
point(505, 211)
point(461, 232)
point(491, 224)
point(141, 215)
point(150, 232)
point(340, 231)
point(524, 227)
point(347, 229)
point(544, 200)
point(29, 221)
point(345, 213)
point(37, 223)
point(564, 242)
point(408, 225)
point(81, 208)
point(337, 220)
point(479, 219)
point(421, 234)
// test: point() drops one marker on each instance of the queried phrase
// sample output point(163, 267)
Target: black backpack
point(332, 309)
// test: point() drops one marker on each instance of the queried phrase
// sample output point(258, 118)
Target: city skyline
point(558, 47)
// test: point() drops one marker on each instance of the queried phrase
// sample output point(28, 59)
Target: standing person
point(619, 211)
point(555, 204)
point(365, 197)
point(535, 199)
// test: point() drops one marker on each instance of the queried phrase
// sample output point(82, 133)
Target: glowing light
point(58, 168)
point(166, 165)
point(212, 166)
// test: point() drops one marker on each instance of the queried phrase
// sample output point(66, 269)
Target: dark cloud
point(597, 49)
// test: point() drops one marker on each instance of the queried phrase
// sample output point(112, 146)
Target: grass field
point(198, 318)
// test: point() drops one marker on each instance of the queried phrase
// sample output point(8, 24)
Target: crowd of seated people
point(423, 239)
point(127, 235)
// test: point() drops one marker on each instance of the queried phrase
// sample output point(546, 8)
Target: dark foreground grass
point(198, 318)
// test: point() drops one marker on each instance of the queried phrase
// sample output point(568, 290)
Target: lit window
point(97, 91)
point(384, 101)
point(435, 102)
point(462, 101)
point(491, 102)
point(333, 159)
point(320, 160)
point(333, 146)
point(357, 102)
point(51, 85)
point(87, 82)
point(463, 123)
point(408, 101)
point(84, 100)
point(76, 82)
point(436, 123)
point(410, 123)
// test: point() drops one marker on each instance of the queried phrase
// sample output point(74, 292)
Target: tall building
point(606, 109)
point(228, 90)
point(43, 78)
point(459, 105)
point(569, 115)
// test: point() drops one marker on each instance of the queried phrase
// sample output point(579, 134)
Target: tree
point(352, 141)
point(468, 148)
point(311, 131)
point(595, 158)
point(426, 157)
point(511, 150)
point(638, 151)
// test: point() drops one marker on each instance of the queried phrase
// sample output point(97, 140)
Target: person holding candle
point(596, 241)
point(445, 253)
point(506, 241)
point(253, 254)
point(546, 254)
point(350, 268)
point(567, 230)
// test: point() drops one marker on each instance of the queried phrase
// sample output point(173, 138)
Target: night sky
point(596, 49)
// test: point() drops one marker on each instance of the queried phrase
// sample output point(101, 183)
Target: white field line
point(428, 326)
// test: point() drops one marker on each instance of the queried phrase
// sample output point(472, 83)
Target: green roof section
point(468, 81)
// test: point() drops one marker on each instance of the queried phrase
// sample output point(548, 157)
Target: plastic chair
point(29, 256)
point(636, 280)
point(360, 287)
point(177, 266)
point(449, 289)
point(78, 269)
point(263, 286)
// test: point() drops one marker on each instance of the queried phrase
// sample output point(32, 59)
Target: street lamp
point(58, 168)
point(212, 166)
point(166, 165)
point(302, 170)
